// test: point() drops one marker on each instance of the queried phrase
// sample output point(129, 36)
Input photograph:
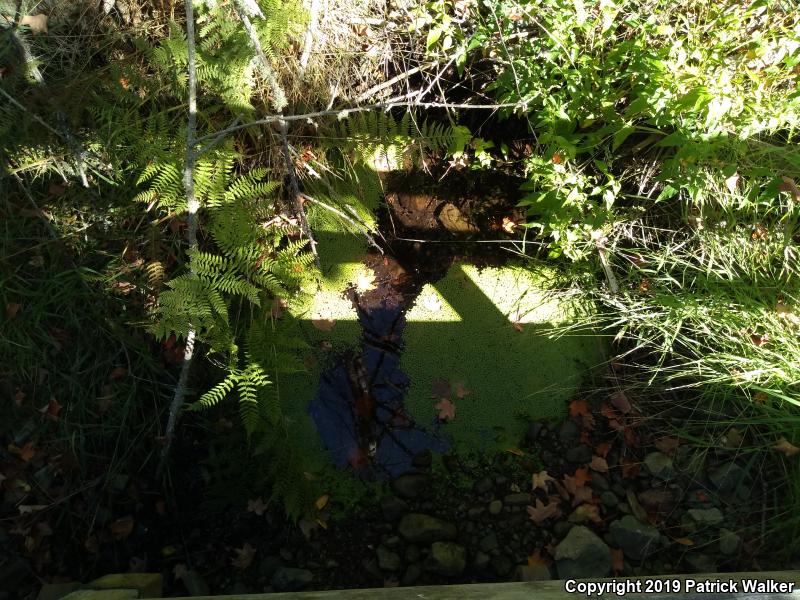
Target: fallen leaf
point(515, 451)
point(540, 480)
point(786, 447)
point(37, 23)
point(118, 373)
point(122, 528)
point(257, 506)
point(12, 308)
point(27, 452)
point(733, 438)
point(599, 464)
point(244, 557)
point(580, 408)
point(630, 467)
point(617, 560)
point(19, 397)
point(577, 480)
point(684, 541)
point(461, 391)
point(701, 496)
point(508, 225)
point(447, 410)
point(322, 501)
point(52, 410)
point(585, 512)
point(667, 444)
point(323, 324)
point(307, 527)
point(759, 339)
point(440, 388)
point(760, 397)
point(602, 449)
point(365, 280)
point(620, 401)
point(541, 511)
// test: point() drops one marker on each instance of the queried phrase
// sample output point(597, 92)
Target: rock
point(729, 542)
point(483, 485)
point(561, 528)
point(393, 508)
point(454, 220)
point(412, 574)
point(388, 560)
point(424, 529)
point(495, 507)
point(266, 568)
point(599, 481)
point(533, 432)
point(569, 433)
point(579, 454)
point(412, 554)
point(519, 499)
point(582, 555)
point(55, 591)
point(481, 560)
point(635, 538)
point(609, 499)
point(706, 516)
point(411, 485)
point(726, 476)
point(702, 563)
point(501, 565)
point(196, 585)
point(370, 566)
point(447, 559)
point(489, 542)
point(474, 512)
point(659, 465)
point(392, 541)
point(660, 500)
point(536, 572)
point(290, 579)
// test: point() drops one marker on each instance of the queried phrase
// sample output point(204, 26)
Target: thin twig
point(192, 206)
point(382, 86)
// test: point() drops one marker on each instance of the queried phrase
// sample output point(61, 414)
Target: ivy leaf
point(541, 511)
point(447, 410)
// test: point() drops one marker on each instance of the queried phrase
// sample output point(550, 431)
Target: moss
point(463, 329)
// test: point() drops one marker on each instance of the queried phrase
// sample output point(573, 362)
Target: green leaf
point(621, 136)
point(433, 37)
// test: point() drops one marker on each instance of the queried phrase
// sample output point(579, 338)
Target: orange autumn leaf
point(617, 560)
point(447, 410)
point(602, 449)
point(578, 408)
point(608, 412)
point(122, 528)
point(684, 541)
point(599, 464)
point(540, 480)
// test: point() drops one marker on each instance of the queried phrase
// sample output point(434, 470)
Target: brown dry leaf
point(668, 444)
point(585, 512)
point(323, 324)
point(508, 225)
point(244, 557)
point(52, 410)
point(620, 401)
point(599, 464)
point(788, 185)
point(37, 23)
point(617, 560)
point(630, 467)
point(440, 388)
point(541, 511)
point(786, 447)
point(27, 452)
point(578, 408)
point(540, 480)
point(578, 480)
point(602, 449)
point(760, 397)
point(257, 506)
point(759, 339)
point(321, 502)
point(447, 410)
point(12, 308)
point(461, 390)
point(122, 528)
point(118, 373)
point(684, 541)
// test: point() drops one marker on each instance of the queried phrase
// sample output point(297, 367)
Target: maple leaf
point(122, 528)
point(585, 512)
point(603, 449)
point(599, 464)
point(620, 401)
point(540, 480)
point(508, 225)
point(244, 557)
point(256, 506)
point(440, 388)
point(461, 390)
point(786, 447)
point(447, 410)
point(617, 560)
point(323, 324)
point(541, 511)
